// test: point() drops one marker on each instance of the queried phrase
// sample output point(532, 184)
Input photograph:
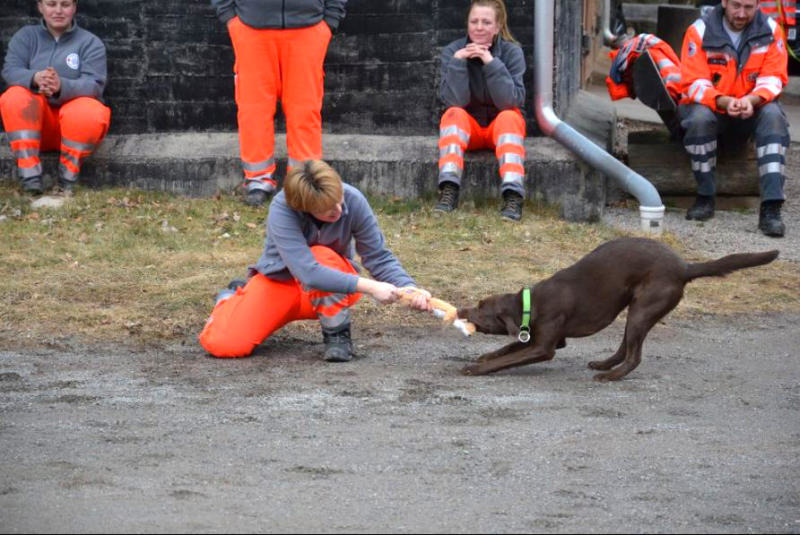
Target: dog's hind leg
point(643, 313)
point(613, 360)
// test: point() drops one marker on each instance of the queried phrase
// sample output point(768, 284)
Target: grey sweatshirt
point(79, 58)
point(274, 14)
point(483, 90)
point(291, 233)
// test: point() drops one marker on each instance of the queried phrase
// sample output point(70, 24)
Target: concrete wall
point(170, 62)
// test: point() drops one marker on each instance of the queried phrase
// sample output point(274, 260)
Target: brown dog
point(644, 275)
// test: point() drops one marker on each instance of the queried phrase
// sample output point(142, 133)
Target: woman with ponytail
point(483, 89)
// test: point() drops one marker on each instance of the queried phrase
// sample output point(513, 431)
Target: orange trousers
point(460, 132)
point(75, 128)
point(247, 318)
point(274, 65)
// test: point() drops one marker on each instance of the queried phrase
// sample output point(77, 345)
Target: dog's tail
point(728, 264)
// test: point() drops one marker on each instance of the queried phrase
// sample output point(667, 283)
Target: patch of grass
point(133, 266)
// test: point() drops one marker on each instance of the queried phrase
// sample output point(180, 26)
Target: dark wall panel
point(170, 62)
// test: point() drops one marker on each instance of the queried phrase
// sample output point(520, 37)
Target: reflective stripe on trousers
point(768, 125)
point(241, 322)
point(272, 65)
point(459, 133)
point(75, 129)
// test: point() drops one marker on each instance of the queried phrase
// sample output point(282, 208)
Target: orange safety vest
point(620, 81)
point(783, 11)
point(710, 67)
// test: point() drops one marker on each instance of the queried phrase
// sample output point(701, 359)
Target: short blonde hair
point(313, 186)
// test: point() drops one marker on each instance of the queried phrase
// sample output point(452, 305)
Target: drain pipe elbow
point(651, 208)
point(609, 38)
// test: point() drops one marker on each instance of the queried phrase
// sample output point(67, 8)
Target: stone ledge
point(202, 164)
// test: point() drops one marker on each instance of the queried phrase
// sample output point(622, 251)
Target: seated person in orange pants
point(306, 270)
point(56, 74)
point(482, 85)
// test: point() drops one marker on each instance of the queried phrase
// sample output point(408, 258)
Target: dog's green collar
point(524, 335)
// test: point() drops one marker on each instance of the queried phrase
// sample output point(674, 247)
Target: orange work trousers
point(460, 132)
point(75, 128)
point(247, 318)
point(274, 65)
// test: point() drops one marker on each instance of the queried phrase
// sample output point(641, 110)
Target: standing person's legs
point(302, 54)
point(24, 113)
point(258, 87)
point(84, 123)
point(508, 138)
point(701, 126)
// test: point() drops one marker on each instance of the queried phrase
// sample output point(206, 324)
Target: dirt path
point(703, 437)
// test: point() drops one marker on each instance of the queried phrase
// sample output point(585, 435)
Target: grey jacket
point(79, 58)
point(290, 234)
point(274, 14)
point(483, 90)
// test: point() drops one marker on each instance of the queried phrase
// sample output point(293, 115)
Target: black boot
point(769, 219)
point(33, 185)
point(448, 197)
point(338, 347)
point(512, 206)
point(66, 187)
point(702, 209)
point(256, 197)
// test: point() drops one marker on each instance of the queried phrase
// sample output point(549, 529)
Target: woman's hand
point(474, 50)
point(420, 300)
point(383, 292)
point(47, 82)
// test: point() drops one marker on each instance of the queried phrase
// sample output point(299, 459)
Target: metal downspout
point(608, 36)
point(651, 209)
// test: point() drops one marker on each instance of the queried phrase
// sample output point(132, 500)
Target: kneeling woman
point(482, 86)
point(306, 270)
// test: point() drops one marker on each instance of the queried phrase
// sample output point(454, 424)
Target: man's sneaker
point(33, 185)
point(769, 219)
point(512, 206)
point(702, 209)
point(338, 347)
point(448, 198)
point(257, 197)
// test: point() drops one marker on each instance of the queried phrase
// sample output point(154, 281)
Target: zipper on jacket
point(283, 15)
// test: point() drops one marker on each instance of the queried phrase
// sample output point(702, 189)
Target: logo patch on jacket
point(692, 48)
point(73, 62)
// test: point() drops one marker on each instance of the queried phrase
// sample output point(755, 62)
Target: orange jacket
point(784, 11)
point(711, 67)
point(619, 80)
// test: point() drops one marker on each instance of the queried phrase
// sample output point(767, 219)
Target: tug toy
point(441, 309)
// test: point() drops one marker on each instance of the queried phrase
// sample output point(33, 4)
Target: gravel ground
point(703, 437)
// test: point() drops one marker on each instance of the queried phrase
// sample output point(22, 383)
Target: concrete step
point(202, 164)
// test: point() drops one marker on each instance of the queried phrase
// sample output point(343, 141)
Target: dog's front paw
point(473, 369)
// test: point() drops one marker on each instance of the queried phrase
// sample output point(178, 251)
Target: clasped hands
point(47, 82)
point(741, 108)
point(474, 50)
